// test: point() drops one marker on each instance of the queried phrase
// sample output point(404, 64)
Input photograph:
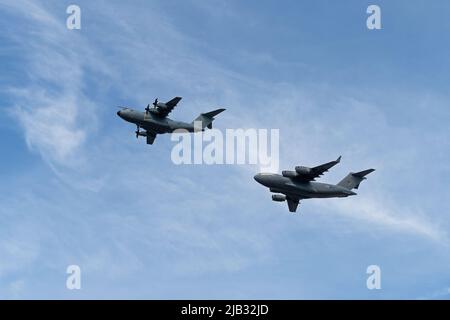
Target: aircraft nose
point(260, 178)
point(121, 114)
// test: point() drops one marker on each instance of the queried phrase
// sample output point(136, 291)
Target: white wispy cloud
point(52, 109)
point(51, 126)
point(442, 293)
point(376, 213)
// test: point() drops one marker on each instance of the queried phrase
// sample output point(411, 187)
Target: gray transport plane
point(293, 186)
point(155, 121)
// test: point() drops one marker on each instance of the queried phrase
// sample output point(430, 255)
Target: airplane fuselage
point(154, 123)
point(305, 190)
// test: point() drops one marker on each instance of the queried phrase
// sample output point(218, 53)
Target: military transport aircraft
point(293, 186)
point(155, 121)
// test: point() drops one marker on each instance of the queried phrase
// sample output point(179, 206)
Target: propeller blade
point(156, 102)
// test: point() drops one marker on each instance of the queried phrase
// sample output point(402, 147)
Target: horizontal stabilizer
point(352, 180)
point(212, 114)
point(207, 118)
point(361, 174)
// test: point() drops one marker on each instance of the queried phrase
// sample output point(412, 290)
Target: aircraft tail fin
point(352, 180)
point(207, 118)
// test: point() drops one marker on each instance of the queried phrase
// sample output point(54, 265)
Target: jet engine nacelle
point(289, 174)
point(278, 197)
point(302, 170)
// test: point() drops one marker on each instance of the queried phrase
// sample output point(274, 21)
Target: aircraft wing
point(312, 173)
point(151, 136)
point(292, 203)
point(168, 107)
point(292, 199)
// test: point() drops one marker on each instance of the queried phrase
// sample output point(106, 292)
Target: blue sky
point(77, 188)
